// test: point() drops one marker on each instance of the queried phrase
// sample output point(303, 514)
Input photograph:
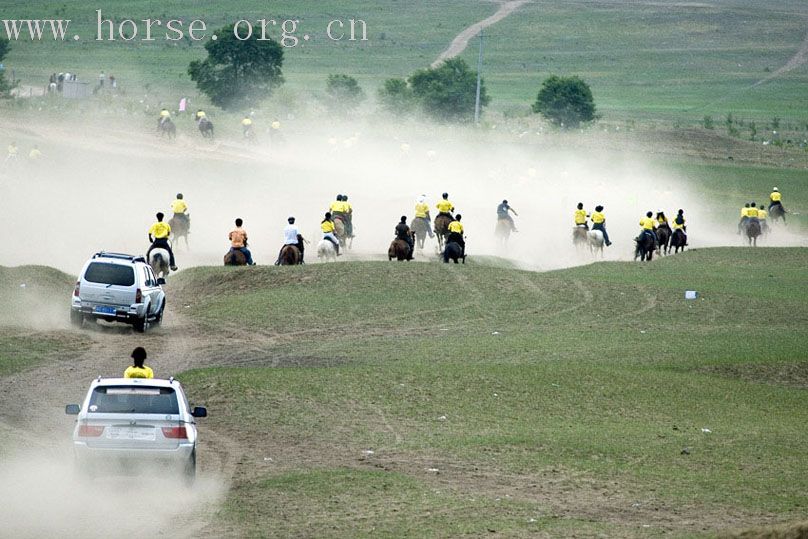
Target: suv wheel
point(189, 472)
point(141, 324)
point(159, 318)
point(76, 319)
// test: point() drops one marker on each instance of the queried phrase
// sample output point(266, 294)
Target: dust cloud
point(43, 496)
point(99, 187)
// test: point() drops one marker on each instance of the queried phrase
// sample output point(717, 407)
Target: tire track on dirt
point(460, 42)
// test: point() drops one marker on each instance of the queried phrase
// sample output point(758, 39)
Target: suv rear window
point(134, 400)
point(115, 274)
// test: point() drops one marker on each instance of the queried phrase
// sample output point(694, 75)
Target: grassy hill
point(387, 399)
point(650, 60)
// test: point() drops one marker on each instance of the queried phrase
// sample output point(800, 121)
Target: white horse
point(595, 240)
point(158, 260)
point(326, 251)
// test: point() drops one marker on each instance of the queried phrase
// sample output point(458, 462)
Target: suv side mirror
point(161, 281)
point(200, 411)
point(72, 409)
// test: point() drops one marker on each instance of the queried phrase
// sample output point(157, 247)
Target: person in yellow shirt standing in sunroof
point(138, 369)
point(158, 236)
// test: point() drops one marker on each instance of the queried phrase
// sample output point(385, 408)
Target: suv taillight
point(138, 296)
point(175, 432)
point(91, 431)
point(77, 289)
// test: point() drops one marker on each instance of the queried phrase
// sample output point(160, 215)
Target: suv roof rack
point(120, 256)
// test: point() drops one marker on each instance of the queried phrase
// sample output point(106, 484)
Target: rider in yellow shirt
point(138, 369)
point(180, 209)
point(580, 216)
point(444, 206)
point(34, 154)
point(752, 212)
point(762, 215)
point(744, 217)
point(164, 115)
point(422, 212)
point(247, 127)
point(599, 223)
point(647, 223)
point(327, 227)
point(158, 236)
point(775, 198)
point(349, 215)
point(456, 233)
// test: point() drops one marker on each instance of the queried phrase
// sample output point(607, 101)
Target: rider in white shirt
point(291, 236)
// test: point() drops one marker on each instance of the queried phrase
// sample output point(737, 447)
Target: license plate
point(130, 433)
point(105, 309)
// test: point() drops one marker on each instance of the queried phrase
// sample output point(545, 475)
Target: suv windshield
point(134, 400)
point(115, 274)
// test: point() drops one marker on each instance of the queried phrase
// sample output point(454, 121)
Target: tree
point(5, 86)
point(236, 73)
point(344, 93)
point(565, 101)
point(448, 91)
point(396, 96)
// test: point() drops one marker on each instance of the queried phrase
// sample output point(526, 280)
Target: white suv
point(118, 288)
point(128, 425)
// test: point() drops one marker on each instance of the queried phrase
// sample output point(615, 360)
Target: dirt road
point(460, 42)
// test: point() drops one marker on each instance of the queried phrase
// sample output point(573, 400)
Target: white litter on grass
point(495, 333)
point(444, 329)
point(22, 285)
point(691, 294)
point(642, 331)
point(442, 418)
point(368, 452)
point(706, 430)
point(268, 459)
point(531, 520)
point(432, 470)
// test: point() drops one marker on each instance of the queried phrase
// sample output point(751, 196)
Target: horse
point(235, 257)
point(326, 251)
point(158, 260)
point(205, 127)
point(663, 233)
point(678, 240)
point(503, 230)
point(752, 231)
point(645, 247)
point(166, 128)
point(399, 249)
point(580, 236)
point(180, 227)
point(290, 255)
point(339, 232)
point(594, 238)
point(454, 252)
point(420, 227)
point(442, 228)
point(777, 212)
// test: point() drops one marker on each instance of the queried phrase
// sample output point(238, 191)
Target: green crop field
point(430, 400)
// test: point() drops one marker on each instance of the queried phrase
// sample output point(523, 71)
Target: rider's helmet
point(775, 189)
point(445, 195)
point(179, 196)
point(345, 198)
point(504, 201)
point(649, 214)
point(160, 216)
point(753, 204)
point(291, 220)
point(681, 212)
point(421, 199)
point(746, 205)
point(328, 215)
point(598, 208)
point(580, 205)
point(403, 218)
point(339, 198)
point(457, 217)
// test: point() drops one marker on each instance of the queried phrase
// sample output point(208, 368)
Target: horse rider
point(138, 369)
point(349, 215)
point(247, 127)
point(444, 206)
point(164, 116)
point(422, 212)
point(200, 115)
point(762, 215)
point(327, 227)
point(339, 209)
point(776, 199)
point(158, 236)
point(661, 220)
point(580, 216)
point(291, 236)
point(34, 154)
point(180, 209)
point(456, 233)
point(12, 152)
point(403, 233)
point(503, 215)
point(647, 224)
point(679, 223)
point(752, 212)
point(744, 217)
point(238, 241)
point(599, 223)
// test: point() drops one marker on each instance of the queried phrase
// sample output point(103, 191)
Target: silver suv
point(130, 425)
point(118, 288)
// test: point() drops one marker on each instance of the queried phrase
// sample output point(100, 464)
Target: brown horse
point(399, 249)
point(290, 255)
point(442, 228)
point(180, 227)
point(234, 257)
point(340, 233)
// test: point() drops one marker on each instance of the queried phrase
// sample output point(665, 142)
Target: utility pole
point(479, 79)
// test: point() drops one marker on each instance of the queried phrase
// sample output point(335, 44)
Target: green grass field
point(526, 392)
point(643, 61)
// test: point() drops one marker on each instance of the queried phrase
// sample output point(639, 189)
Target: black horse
point(453, 252)
point(645, 247)
point(777, 212)
point(663, 233)
point(678, 240)
point(166, 128)
point(752, 231)
point(205, 127)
